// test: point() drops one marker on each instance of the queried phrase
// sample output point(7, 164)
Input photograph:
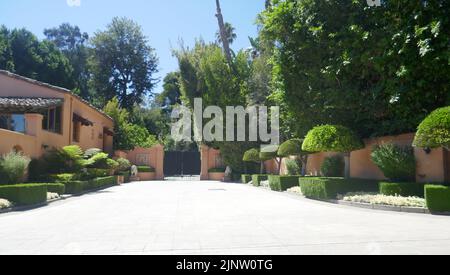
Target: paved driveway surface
point(215, 218)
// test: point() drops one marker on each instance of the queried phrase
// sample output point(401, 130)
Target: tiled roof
point(55, 88)
point(28, 104)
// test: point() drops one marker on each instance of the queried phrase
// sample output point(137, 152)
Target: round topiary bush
point(269, 152)
point(333, 167)
point(434, 131)
point(332, 138)
point(291, 147)
point(251, 155)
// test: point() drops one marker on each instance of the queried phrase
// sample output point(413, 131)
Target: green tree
point(171, 94)
point(72, 42)
point(123, 64)
point(230, 34)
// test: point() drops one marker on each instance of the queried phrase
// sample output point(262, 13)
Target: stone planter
point(216, 176)
point(147, 176)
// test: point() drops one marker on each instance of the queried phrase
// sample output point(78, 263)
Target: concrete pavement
point(176, 217)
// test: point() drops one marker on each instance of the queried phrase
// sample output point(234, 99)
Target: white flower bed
point(386, 200)
point(5, 204)
point(52, 196)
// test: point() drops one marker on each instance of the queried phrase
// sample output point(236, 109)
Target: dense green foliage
point(438, 198)
point(74, 187)
point(330, 188)
point(293, 168)
point(380, 70)
point(283, 183)
point(124, 165)
point(403, 189)
point(292, 147)
point(251, 155)
point(333, 167)
point(245, 179)
point(24, 194)
point(331, 138)
point(217, 170)
point(99, 183)
point(434, 131)
point(396, 162)
point(146, 169)
point(57, 188)
point(13, 167)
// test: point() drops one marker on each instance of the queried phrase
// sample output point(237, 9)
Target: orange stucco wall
point(35, 141)
point(210, 159)
point(153, 157)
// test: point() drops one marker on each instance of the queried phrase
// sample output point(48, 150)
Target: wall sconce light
point(427, 150)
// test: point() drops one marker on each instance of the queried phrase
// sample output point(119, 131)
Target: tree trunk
point(223, 34)
point(304, 164)
point(347, 165)
point(262, 167)
point(279, 162)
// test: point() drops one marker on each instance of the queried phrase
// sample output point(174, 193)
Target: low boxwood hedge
point(57, 188)
point(246, 179)
point(74, 187)
point(100, 183)
point(283, 183)
point(438, 198)
point(403, 189)
point(330, 188)
point(24, 194)
point(216, 170)
point(146, 169)
point(257, 179)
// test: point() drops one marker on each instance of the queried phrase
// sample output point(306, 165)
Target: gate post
point(159, 169)
point(204, 152)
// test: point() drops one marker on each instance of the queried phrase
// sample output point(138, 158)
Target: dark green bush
point(257, 179)
point(330, 188)
point(283, 183)
point(63, 178)
point(403, 189)
point(216, 170)
point(37, 170)
point(251, 155)
point(24, 194)
point(57, 188)
point(68, 159)
point(100, 183)
point(246, 179)
point(291, 147)
point(438, 198)
point(434, 131)
point(146, 169)
point(93, 173)
point(396, 162)
point(293, 167)
point(332, 138)
point(124, 165)
point(333, 167)
point(74, 187)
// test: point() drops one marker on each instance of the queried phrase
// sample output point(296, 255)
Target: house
point(35, 117)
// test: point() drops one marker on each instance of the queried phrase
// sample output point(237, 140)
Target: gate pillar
point(204, 175)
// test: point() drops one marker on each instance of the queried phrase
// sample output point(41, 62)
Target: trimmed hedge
point(126, 176)
point(97, 173)
point(283, 183)
point(74, 187)
point(24, 194)
point(146, 169)
point(99, 183)
point(438, 198)
point(216, 170)
point(246, 178)
point(257, 179)
point(403, 189)
point(330, 188)
point(57, 188)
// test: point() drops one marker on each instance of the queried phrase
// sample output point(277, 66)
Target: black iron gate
point(182, 163)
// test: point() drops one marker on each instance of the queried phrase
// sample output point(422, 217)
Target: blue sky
point(165, 22)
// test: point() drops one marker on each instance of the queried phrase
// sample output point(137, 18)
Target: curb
point(47, 203)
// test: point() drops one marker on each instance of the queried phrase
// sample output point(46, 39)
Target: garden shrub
point(124, 165)
point(13, 167)
point(330, 188)
point(216, 170)
point(74, 187)
point(93, 173)
point(283, 183)
point(257, 179)
point(251, 155)
point(126, 175)
point(332, 138)
point(146, 169)
point(24, 194)
point(91, 152)
point(63, 177)
point(438, 198)
point(246, 179)
point(403, 189)
point(434, 131)
point(37, 170)
point(293, 168)
point(333, 167)
point(99, 183)
point(57, 188)
point(68, 159)
point(396, 162)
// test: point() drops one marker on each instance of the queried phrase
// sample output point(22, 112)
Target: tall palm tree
point(223, 33)
point(229, 32)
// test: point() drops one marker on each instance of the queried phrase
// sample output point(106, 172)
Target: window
point(76, 131)
point(52, 120)
point(13, 122)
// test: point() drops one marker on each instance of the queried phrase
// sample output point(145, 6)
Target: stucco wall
point(153, 157)
point(210, 159)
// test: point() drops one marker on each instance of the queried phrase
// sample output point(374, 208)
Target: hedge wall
point(246, 178)
point(257, 179)
point(330, 188)
point(283, 183)
point(57, 188)
point(24, 194)
point(438, 198)
point(403, 189)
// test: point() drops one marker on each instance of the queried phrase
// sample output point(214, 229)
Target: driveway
point(215, 218)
